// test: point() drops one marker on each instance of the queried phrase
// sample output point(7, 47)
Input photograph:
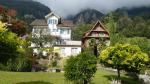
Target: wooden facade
point(97, 32)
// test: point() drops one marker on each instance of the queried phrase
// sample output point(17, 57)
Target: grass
point(101, 77)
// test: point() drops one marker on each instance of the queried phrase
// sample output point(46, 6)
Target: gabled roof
point(61, 24)
point(66, 23)
point(50, 14)
point(102, 28)
point(39, 22)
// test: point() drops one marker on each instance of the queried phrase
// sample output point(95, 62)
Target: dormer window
point(52, 21)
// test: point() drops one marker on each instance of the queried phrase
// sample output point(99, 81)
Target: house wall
point(40, 30)
point(67, 51)
point(53, 25)
point(65, 33)
point(58, 31)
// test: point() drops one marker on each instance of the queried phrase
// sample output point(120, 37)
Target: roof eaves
point(48, 15)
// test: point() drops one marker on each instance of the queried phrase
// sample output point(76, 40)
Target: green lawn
point(101, 77)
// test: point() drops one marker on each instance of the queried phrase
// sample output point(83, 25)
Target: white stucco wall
point(67, 51)
point(67, 35)
point(58, 30)
point(53, 26)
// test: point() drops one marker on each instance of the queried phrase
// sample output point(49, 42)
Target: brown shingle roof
point(42, 22)
point(66, 23)
point(39, 22)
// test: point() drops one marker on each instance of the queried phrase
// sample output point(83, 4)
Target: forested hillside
point(128, 22)
point(137, 11)
point(26, 8)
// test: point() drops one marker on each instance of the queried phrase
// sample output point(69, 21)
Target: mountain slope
point(87, 16)
point(26, 7)
point(137, 11)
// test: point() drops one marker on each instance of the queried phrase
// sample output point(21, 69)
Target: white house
point(54, 25)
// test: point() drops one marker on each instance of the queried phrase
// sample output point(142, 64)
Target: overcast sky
point(71, 7)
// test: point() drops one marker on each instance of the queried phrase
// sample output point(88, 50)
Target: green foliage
point(27, 7)
point(96, 46)
point(10, 45)
point(12, 53)
point(128, 30)
point(79, 30)
point(127, 26)
point(54, 59)
point(125, 57)
point(142, 42)
point(81, 68)
point(42, 39)
point(111, 24)
point(14, 24)
point(19, 64)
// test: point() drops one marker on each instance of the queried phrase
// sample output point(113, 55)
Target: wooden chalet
point(97, 32)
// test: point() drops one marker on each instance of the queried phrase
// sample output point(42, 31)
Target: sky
point(72, 7)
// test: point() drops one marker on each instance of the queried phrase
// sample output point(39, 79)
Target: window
point(62, 51)
point(52, 21)
point(74, 51)
point(68, 31)
point(94, 34)
point(64, 31)
point(101, 34)
point(55, 30)
point(55, 21)
point(37, 30)
point(61, 31)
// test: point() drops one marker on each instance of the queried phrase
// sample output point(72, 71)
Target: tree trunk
point(118, 71)
point(85, 82)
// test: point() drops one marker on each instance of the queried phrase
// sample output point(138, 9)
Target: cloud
point(71, 7)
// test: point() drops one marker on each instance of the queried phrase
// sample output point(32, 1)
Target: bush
point(81, 69)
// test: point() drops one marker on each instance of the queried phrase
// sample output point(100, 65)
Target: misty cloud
point(71, 7)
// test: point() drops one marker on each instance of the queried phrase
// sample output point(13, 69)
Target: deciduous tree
point(124, 57)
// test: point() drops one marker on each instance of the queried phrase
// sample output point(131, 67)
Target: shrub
point(81, 68)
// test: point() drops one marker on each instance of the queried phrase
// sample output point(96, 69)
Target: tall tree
point(79, 30)
point(115, 37)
